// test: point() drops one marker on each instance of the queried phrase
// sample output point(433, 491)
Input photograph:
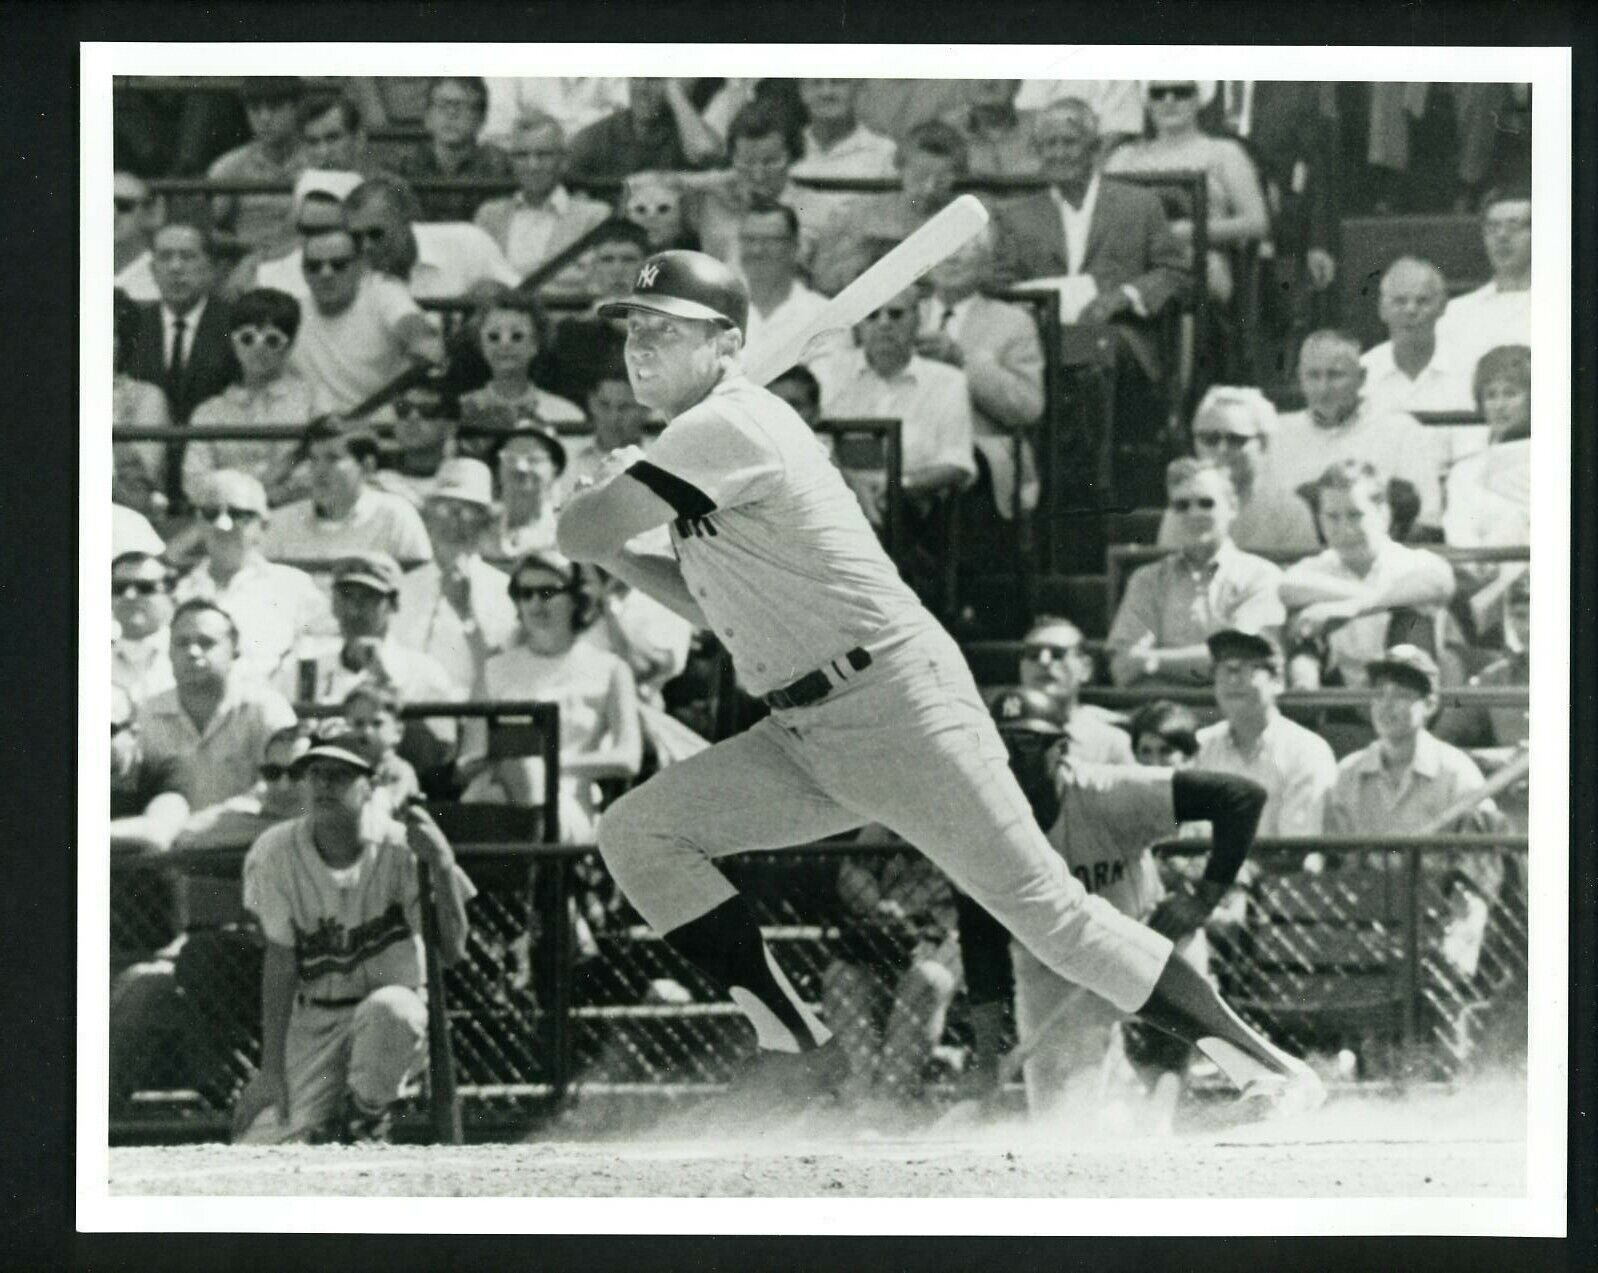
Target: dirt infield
point(1438, 1147)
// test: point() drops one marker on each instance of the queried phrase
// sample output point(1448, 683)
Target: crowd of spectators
point(389, 537)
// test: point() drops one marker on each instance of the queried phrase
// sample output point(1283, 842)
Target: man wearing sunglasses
point(361, 329)
point(277, 607)
point(1172, 605)
point(138, 217)
point(435, 260)
point(141, 609)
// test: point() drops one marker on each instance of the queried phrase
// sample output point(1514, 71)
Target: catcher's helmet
point(686, 285)
point(1028, 711)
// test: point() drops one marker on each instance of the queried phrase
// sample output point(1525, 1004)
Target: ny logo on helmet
point(646, 276)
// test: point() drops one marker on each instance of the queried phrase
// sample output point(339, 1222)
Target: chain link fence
point(1412, 959)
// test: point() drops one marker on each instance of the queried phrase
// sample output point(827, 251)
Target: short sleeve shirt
point(1109, 815)
point(222, 758)
point(347, 357)
point(772, 543)
point(379, 522)
point(931, 400)
point(1180, 605)
point(1397, 444)
point(1296, 768)
point(352, 931)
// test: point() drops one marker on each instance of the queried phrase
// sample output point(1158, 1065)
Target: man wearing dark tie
point(181, 342)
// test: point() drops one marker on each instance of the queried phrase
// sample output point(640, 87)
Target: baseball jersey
point(771, 542)
point(1109, 815)
point(352, 930)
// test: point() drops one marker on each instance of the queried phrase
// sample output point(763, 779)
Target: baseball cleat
point(1299, 1091)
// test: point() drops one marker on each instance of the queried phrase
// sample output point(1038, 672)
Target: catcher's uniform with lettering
point(875, 715)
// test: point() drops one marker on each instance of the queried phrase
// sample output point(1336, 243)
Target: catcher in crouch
point(1101, 820)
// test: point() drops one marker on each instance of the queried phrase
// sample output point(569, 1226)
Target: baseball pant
point(369, 1049)
point(907, 743)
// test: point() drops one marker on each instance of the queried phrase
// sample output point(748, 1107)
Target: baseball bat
point(937, 239)
point(1506, 777)
point(444, 1101)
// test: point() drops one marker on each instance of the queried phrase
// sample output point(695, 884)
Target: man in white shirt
point(1341, 602)
point(1500, 312)
point(361, 329)
point(141, 608)
point(344, 514)
point(138, 216)
point(1338, 423)
point(276, 607)
point(436, 260)
point(457, 608)
point(768, 247)
point(836, 143)
point(318, 204)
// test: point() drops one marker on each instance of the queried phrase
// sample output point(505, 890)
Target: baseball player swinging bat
point(938, 238)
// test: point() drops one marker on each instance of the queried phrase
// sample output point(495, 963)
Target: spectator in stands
point(435, 260)
point(361, 330)
point(1341, 602)
point(424, 437)
point(217, 716)
point(598, 699)
point(365, 602)
point(344, 514)
point(529, 464)
point(330, 1068)
point(138, 217)
point(1412, 370)
point(763, 148)
point(542, 219)
point(655, 201)
point(372, 710)
point(1163, 733)
point(271, 104)
point(928, 163)
point(996, 345)
point(618, 419)
point(1118, 104)
point(138, 468)
point(1295, 766)
point(1402, 781)
point(131, 532)
point(1238, 218)
point(892, 106)
point(141, 608)
point(455, 607)
point(1489, 493)
point(1232, 426)
point(572, 101)
point(1173, 605)
point(836, 143)
point(1498, 313)
point(456, 110)
point(884, 377)
point(779, 303)
point(318, 205)
point(659, 129)
point(276, 607)
point(333, 135)
point(886, 995)
point(998, 140)
point(1497, 735)
point(510, 332)
point(269, 392)
point(1340, 423)
point(275, 797)
point(586, 346)
point(148, 804)
point(1053, 660)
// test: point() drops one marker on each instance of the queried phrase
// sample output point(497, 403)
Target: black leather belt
point(331, 1003)
point(812, 687)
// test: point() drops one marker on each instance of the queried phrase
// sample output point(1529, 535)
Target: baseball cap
point(344, 746)
point(1406, 665)
point(1027, 710)
point(373, 570)
point(464, 479)
point(685, 284)
point(234, 488)
point(552, 444)
point(1234, 643)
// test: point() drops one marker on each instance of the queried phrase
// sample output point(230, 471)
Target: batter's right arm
point(660, 578)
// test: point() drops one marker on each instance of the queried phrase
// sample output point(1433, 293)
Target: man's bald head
point(1410, 272)
point(1413, 297)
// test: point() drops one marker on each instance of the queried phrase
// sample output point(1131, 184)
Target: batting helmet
point(686, 285)
point(1028, 711)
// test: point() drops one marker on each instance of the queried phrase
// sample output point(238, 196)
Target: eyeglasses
point(645, 209)
point(267, 337)
point(543, 592)
point(1045, 653)
point(890, 313)
point(276, 773)
point(371, 234)
point(1204, 503)
point(1172, 92)
point(136, 587)
point(506, 338)
point(213, 513)
point(125, 204)
point(1234, 441)
point(328, 264)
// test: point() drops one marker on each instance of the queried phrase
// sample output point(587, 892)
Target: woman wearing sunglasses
point(510, 333)
point(600, 735)
point(268, 392)
point(1237, 211)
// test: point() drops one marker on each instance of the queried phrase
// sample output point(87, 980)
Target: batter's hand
point(261, 1091)
point(1184, 911)
point(425, 838)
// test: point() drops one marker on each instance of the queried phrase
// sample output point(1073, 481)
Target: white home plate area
point(1434, 1146)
